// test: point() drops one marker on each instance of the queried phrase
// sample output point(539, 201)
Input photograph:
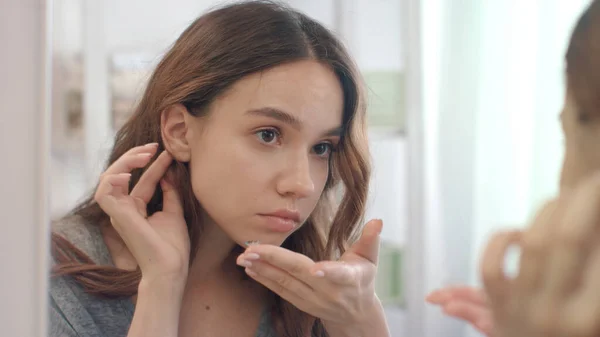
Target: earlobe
point(174, 126)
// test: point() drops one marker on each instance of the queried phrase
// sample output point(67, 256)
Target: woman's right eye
point(268, 136)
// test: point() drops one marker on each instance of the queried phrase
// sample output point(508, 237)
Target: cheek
point(227, 174)
point(319, 173)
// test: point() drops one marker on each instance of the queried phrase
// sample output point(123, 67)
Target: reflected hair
point(583, 64)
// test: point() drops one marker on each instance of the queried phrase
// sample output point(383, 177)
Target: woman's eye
point(323, 149)
point(267, 135)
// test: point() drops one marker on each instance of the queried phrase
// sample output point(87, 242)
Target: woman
point(557, 290)
point(248, 129)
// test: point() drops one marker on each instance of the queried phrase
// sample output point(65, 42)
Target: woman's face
point(582, 145)
point(260, 161)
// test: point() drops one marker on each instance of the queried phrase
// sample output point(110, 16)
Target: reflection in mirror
point(108, 81)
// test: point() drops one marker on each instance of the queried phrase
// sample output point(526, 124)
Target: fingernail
point(436, 297)
point(245, 263)
point(319, 273)
point(125, 174)
point(152, 145)
point(379, 226)
point(144, 155)
point(251, 256)
point(251, 272)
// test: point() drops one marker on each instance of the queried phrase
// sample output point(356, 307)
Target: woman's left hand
point(341, 293)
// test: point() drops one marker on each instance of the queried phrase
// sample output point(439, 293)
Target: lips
point(285, 214)
point(282, 221)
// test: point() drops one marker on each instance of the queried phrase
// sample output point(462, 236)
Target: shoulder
point(85, 236)
point(74, 312)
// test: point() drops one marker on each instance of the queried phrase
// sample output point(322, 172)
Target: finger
point(145, 187)
point(132, 227)
point(282, 283)
point(171, 201)
point(339, 272)
point(136, 157)
point(295, 264)
point(368, 244)
point(535, 246)
point(112, 185)
point(458, 293)
point(492, 266)
point(438, 297)
point(477, 315)
point(575, 235)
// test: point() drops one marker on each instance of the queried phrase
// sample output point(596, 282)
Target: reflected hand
point(340, 293)
point(466, 303)
point(557, 290)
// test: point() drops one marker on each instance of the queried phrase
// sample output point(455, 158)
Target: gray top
point(74, 313)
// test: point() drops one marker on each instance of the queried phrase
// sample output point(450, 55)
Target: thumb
point(368, 244)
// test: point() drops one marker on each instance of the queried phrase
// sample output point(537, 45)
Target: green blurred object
point(388, 283)
point(386, 92)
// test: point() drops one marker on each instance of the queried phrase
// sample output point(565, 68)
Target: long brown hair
point(215, 51)
point(583, 63)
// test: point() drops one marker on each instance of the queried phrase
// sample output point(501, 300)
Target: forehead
point(307, 89)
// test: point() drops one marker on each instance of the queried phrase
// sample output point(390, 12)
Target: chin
point(265, 239)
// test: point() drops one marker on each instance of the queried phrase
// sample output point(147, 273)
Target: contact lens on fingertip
point(251, 242)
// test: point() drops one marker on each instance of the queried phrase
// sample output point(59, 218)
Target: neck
point(215, 255)
point(214, 259)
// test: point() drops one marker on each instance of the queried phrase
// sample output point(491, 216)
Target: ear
point(175, 129)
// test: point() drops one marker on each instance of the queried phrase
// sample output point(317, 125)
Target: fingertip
point(432, 297)
point(165, 154)
point(374, 227)
point(165, 184)
point(437, 297)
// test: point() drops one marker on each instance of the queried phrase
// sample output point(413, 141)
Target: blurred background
point(464, 97)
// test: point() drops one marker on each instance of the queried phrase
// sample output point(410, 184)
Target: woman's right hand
point(160, 243)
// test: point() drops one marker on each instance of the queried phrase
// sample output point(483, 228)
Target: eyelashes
point(273, 137)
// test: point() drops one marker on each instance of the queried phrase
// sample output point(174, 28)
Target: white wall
point(373, 31)
point(24, 139)
point(449, 84)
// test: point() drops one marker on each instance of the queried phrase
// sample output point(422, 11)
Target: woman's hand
point(557, 290)
point(466, 303)
point(340, 293)
point(160, 243)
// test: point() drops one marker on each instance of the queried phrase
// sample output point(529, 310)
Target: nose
point(296, 180)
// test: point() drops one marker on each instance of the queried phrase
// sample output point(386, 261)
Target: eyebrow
point(288, 118)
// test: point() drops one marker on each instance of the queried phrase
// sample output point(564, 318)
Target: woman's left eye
point(323, 149)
